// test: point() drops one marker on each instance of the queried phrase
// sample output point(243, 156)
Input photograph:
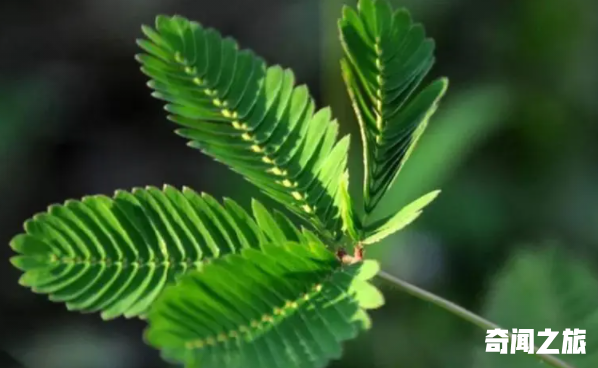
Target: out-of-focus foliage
point(470, 117)
point(540, 289)
point(19, 121)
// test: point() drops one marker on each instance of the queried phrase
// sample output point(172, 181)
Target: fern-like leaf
point(115, 255)
point(287, 306)
point(379, 230)
point(389, 225)
point(386, 58)
point(248, 116)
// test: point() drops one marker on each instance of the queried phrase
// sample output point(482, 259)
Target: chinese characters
point(500, 341)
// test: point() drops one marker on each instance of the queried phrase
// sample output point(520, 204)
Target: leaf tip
point(435, 193)
point(168, 187)
point(444, 83)
point(17, 261)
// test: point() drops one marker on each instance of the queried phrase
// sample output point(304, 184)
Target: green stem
point(460, 312)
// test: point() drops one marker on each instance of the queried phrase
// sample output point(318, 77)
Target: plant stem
point(460, 312)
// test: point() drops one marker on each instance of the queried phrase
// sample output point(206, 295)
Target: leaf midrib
point(278, 169)
point(266, 321)
point(125, 263)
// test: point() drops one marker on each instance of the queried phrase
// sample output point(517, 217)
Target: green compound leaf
point(386, 58)
point(248, 116)
point(387, 226)
point(289, 305)
point(115, 255)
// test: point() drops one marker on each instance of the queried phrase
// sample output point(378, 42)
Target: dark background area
point(513, 146)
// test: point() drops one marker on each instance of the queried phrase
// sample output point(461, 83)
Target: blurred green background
point(513, 236)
